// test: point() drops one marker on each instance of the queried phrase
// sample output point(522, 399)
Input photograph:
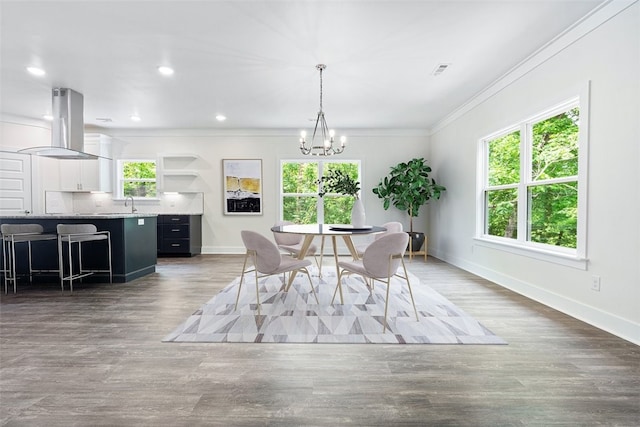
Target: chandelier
point(324, 146)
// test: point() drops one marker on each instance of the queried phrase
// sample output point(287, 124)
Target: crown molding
point(292, 134)
point(594, 19)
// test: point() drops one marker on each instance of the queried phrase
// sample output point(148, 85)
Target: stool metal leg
point(9, 259)
point(13, 265)
point(5, 264)
point(30, 264)
point(70, 266)
point(60, 264)
point(10, 266)
point(110, 266)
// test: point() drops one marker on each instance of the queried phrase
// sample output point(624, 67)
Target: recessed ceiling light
point(221, 118)
point(135, 118)
point(165, 71)
point(36, 71)
point(48, 117)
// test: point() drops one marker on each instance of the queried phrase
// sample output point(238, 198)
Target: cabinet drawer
point(175, 245)
point(172, 231)
point(173, 219)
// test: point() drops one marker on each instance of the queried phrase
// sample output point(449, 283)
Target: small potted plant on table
point(337, 181)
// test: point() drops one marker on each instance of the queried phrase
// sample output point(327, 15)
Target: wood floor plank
point(96, 358)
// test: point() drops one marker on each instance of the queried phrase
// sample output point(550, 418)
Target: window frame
point(521, 245)
point(121, 179)
point(319, 200)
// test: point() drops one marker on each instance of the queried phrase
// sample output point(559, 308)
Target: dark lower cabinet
point(179, 235)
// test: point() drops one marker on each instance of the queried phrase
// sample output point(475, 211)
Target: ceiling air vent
point(440, 69)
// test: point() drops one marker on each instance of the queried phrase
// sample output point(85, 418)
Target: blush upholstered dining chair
point(292, 244)
point(380, 262)
point(268, 261)
point(392, 227)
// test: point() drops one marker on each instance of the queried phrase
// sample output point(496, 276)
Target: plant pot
point(417, 240)
point(358, 217)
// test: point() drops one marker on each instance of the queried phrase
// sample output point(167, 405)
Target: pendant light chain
point(321, 67)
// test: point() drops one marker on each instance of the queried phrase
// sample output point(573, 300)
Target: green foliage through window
point(549, 187)
point(300, 190)
point(138, 178)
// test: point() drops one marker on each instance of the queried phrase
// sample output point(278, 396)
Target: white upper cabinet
point(89, 175)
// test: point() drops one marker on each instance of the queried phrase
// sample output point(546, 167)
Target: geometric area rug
point(295, 317)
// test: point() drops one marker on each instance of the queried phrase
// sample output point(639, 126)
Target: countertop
point(81, 216)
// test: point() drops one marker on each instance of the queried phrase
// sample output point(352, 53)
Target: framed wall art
point(242, 186)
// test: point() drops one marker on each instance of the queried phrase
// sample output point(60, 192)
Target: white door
point(15, 183)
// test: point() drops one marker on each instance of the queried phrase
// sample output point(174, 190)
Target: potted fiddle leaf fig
point(408, 187)
point(337, 181)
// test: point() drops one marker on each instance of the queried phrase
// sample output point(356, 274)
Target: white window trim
point(120, 179)
point(576, 258)
point(320, 206)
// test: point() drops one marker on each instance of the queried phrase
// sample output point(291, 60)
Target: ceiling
point(254, 61)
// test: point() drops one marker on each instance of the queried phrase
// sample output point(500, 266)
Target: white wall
point(608, 57)
point(378, 151)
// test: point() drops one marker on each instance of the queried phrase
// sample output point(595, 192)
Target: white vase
point(357, 214)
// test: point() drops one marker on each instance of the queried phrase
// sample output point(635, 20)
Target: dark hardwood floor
point(95, 358)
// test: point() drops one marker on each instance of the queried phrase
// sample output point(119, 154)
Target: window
point(299, 192)
point(137, 178)
point(532, 178)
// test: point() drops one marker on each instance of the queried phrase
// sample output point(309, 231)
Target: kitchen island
point(133, 243)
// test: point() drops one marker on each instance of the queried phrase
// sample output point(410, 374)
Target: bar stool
point(20, 233)
point(69, 234)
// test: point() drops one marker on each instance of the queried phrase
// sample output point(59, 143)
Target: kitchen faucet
point(133, 206)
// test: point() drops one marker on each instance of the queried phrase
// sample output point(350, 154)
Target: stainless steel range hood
point(67, 130)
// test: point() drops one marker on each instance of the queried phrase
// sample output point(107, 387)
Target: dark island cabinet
point(179, 235)
point(133, 257)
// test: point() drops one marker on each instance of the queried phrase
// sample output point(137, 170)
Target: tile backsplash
point(60, 202)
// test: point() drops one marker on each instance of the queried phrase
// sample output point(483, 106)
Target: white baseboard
point(608, 322)
point(223, 250)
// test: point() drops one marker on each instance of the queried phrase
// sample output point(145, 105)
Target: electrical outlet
point(595, 283)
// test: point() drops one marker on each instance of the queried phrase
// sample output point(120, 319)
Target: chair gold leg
point(338, 286)
point(406, 277)
point(311, 283)
point(321, 256)
point(244, 266)
point(386, 306)
point(257, 291)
